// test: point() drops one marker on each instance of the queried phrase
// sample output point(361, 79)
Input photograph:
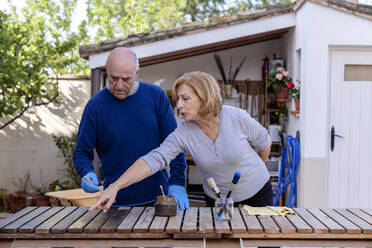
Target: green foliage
point(66, 146)
point(295, 92)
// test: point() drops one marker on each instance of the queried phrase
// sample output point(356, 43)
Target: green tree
point(28, 62)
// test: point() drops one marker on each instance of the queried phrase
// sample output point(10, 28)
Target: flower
point(279, 79)
point(279, 76)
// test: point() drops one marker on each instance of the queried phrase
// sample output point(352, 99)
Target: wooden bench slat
point(83, 221)
point(237, 222)
point(174, 222)
point(348, 225)
point(284, 224)
point(300, 224)
point(367, 210)
point(221, 226)
point(61, 227)
point(145, 220)
point(205, 220)
point(13, 227)
point(100, 219)
point(190, 221)
point(362, 214)
point(359, 218)
point(31, 225)
point(16, 216)
point(314, 223)
point(268, 224)
point(158, 224)
point(252, 223)
point(45, 227)
point(332, 225)
point(112, 223)
point(130, 220)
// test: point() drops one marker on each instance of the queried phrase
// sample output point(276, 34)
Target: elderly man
point(125, 121)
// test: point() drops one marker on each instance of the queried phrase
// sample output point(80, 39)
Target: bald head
point(120, 58)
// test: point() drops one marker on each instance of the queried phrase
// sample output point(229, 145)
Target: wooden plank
point(268, 224)
point(83, 221)
point(130, 220)
point(367, 210)
point(95, 225)
point(13, 227)
point(205, 220)
point(358, 217)
point(313, 222)
point(221, 226)
point(31, 225)
point(358, 212)
point(252, 223)
point(144, 220)
point(190, 221)
point(16, 216)
point(300, 224)
point(345, 223)
point(333, 226)
point(115, 220)
point(45, 227)
point(61, 227)
point(174, 222)
point(237, 222)
point(158, 224)
point(284, 224)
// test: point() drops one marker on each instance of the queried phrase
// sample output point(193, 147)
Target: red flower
point(290, 85)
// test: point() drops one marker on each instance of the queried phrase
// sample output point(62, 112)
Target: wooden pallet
point(51, 223)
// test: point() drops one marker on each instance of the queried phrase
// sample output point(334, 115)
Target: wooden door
point(350, 162)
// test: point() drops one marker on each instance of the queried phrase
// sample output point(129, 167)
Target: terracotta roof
point(186, 29)
point(85, 51)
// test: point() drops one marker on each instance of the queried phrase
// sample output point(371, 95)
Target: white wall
point(319, 28)
point(251, 69)
point(28, 144)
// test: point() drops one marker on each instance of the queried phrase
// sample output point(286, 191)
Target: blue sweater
point(124, 130)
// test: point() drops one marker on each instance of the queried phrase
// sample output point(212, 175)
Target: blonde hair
point(206, 88)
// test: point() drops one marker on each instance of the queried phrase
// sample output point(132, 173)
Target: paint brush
point(214, 187)
point(90, 181)
point(162, 190)
point(235, 180)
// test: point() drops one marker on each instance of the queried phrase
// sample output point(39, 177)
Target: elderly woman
point(220, 139)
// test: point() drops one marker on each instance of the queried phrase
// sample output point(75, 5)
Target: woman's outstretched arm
point(137, 172)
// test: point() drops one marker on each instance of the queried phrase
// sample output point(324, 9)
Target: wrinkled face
point(188, 103)
point(122, 73)
point(121, 83)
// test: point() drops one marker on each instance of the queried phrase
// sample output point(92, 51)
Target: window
point(358, 73)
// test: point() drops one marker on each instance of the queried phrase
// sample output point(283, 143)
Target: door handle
point(333, 135)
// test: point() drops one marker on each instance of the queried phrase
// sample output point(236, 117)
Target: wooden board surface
point(194, 223)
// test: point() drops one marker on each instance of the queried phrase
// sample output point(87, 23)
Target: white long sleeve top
point(235, 149)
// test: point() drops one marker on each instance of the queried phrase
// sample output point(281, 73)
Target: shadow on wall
point(28, 144)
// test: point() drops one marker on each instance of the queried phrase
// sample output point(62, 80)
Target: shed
point(327, 45)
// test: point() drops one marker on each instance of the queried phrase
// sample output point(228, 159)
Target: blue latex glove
point(180, 195)
point(87, 186)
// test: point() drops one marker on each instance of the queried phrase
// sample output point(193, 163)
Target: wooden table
point(195, 227)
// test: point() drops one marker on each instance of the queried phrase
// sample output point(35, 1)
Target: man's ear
point(136, 75)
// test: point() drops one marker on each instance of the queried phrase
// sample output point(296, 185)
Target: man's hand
point(180, 195)
point(105, 199)
point(88, 186)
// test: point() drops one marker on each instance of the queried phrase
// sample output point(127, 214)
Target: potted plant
point(17, 200)
point(281, 82)
point(39, 196)
point(4, 199)
point(295, 93)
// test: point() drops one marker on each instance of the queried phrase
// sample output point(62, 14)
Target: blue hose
point(288, 172)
